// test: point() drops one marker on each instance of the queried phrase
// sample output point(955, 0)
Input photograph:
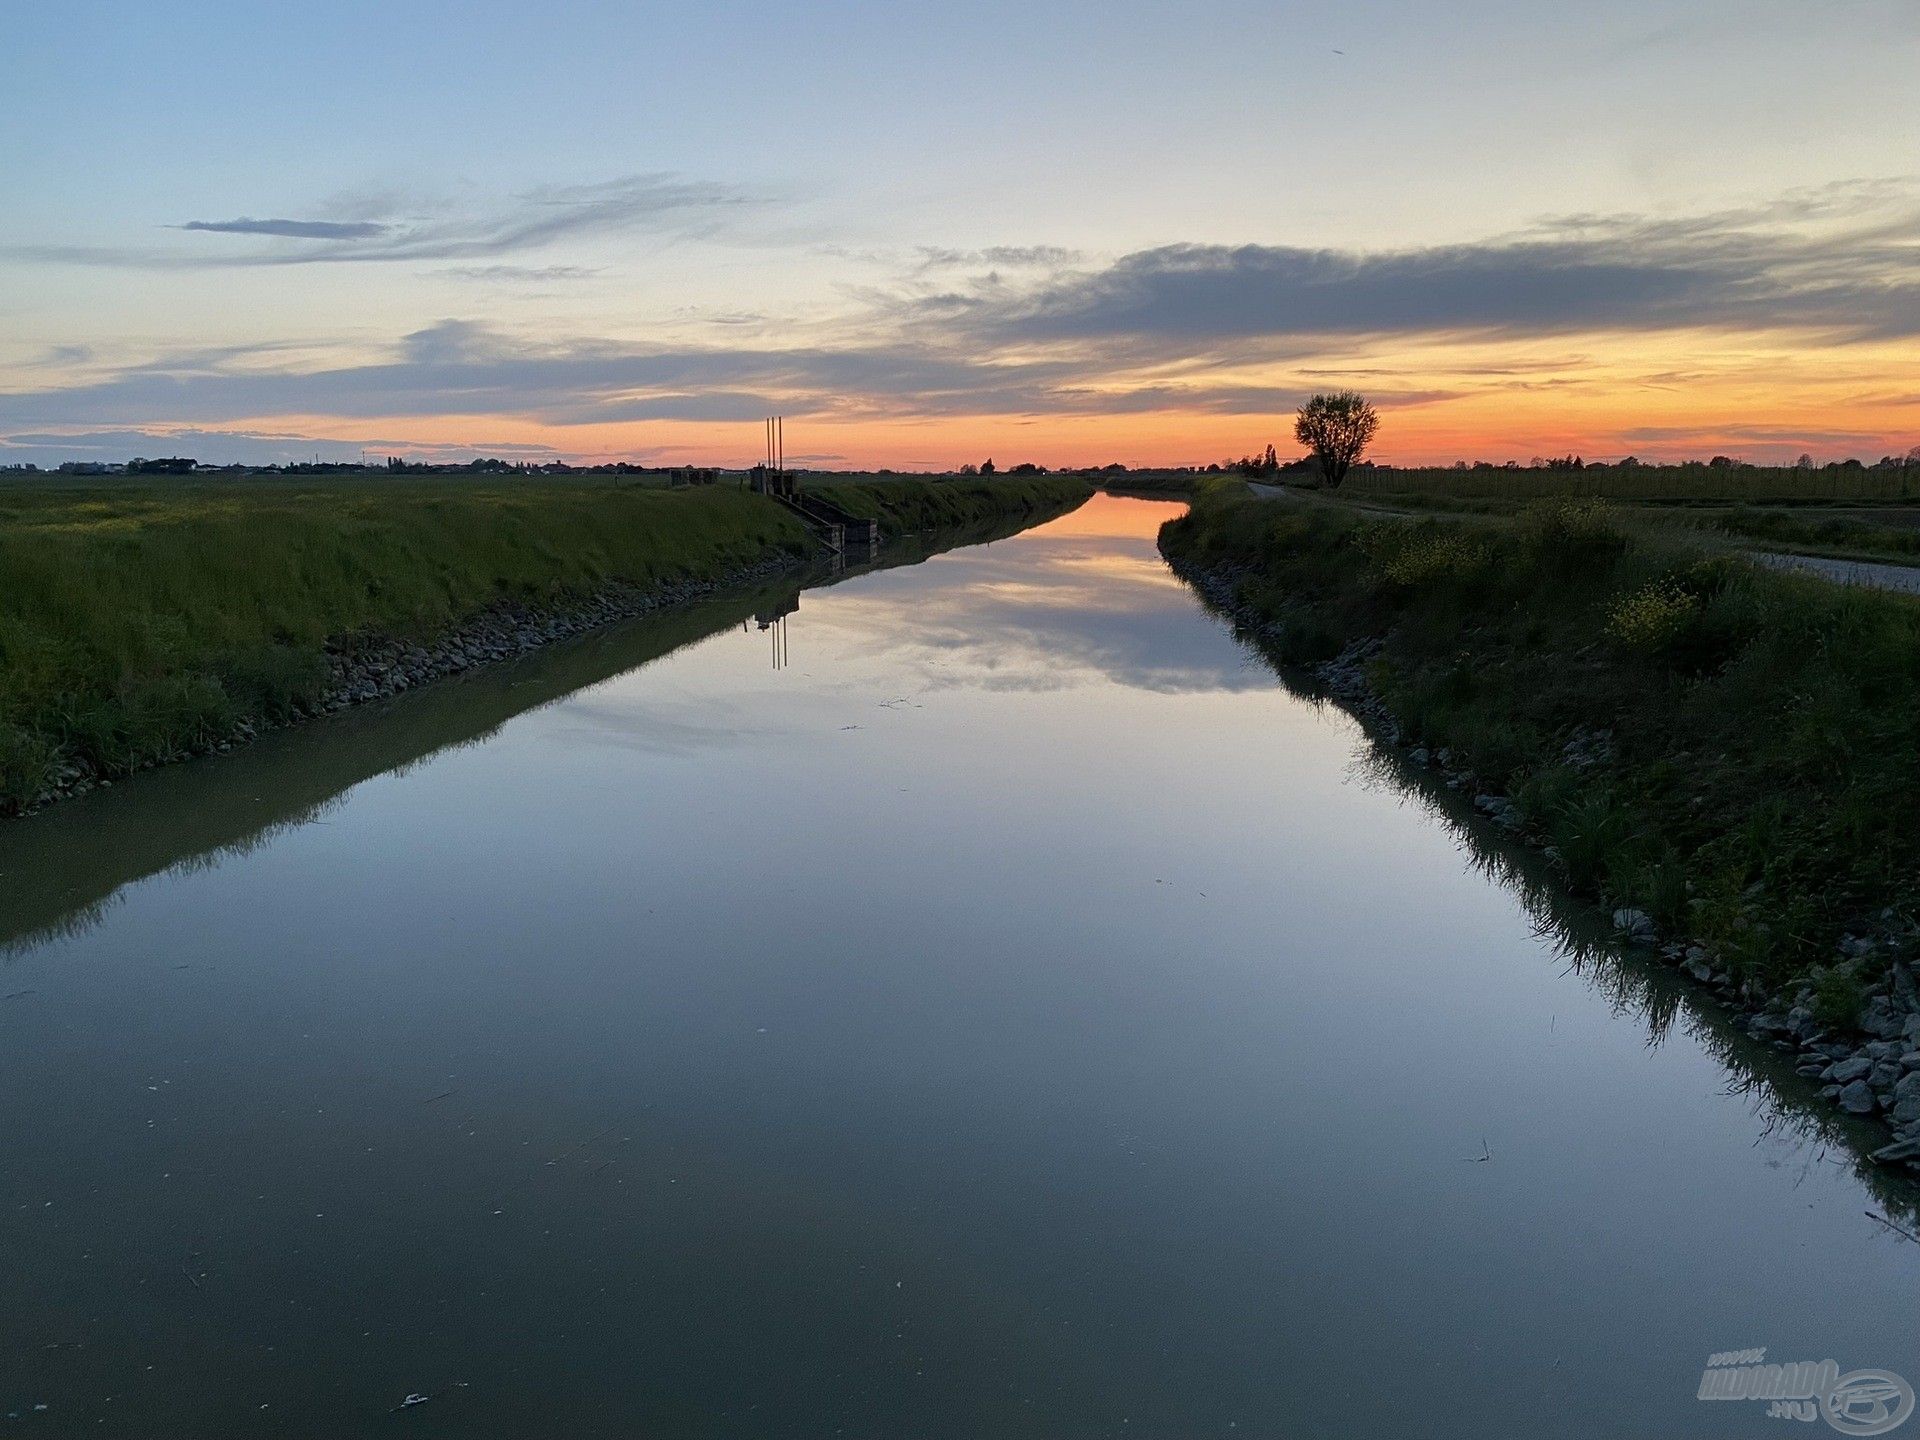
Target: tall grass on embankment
point(143, 622)
point(1735, 752)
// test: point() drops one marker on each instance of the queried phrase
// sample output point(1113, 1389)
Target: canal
point(988, 1002)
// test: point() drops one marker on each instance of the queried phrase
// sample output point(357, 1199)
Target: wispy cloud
point(521, 274)
point(461, 367)
point(1693, 436)
point(291, 229)
point(1000, 257)
point(60, 357)
point(656, 203)
point(1192, 329)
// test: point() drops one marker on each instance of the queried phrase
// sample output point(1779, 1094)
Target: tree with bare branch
point(1337, 428)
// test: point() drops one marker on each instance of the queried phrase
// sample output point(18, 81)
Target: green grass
point(1765, 728)
point(142, 621)
point(1660, 483)
point(1887, 530)
point(910, 503)
point(1892, 535)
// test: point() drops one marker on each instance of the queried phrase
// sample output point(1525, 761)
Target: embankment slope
point(1728, 758)
point(145, 623)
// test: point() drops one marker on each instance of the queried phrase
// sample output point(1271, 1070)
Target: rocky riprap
point(365, 668)
point(1870, 1069)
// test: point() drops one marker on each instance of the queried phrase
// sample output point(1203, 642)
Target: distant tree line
point(1025, 467)
point(1335, 431)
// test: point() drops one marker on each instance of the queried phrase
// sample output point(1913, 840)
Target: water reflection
point(62, 868)
point(1055, 614)
point(1797, 1126)
point(772, 621)
point(991, 1023)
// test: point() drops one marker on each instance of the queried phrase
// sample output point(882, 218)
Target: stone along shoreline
point(367, 668)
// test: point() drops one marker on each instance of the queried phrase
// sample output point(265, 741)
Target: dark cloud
point(459, 367)
point(1821, 262)
point(1189, 291)
point(292, 229)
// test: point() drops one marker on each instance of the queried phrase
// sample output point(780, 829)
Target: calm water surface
point(1018, 1015)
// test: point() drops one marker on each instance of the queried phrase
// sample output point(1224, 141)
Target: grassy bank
point(1665, 484)
point(909, 503)
point(1733, 751)
point(143, 622)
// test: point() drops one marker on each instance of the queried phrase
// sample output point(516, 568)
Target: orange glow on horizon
point(1661, 397)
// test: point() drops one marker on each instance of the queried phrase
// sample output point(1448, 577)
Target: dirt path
point(1904, 578)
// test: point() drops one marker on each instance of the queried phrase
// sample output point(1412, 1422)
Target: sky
point(1055, 230)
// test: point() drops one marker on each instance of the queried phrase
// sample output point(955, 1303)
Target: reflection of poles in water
point(774, 622)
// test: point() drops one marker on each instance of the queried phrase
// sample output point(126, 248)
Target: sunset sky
point(1064, 232)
